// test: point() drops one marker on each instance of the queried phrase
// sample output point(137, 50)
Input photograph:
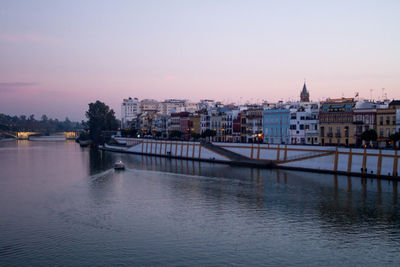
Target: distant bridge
point(25, 135)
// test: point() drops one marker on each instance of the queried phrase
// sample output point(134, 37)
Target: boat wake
point(101, 175)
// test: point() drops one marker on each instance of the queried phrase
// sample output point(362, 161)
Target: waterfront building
point(159, 125)
point(398, 120)
point(129, 111)
point(172, 106)
point(180, 122)
point(146, 124)
point(267, 105)
point(195, 125)
point(206, 104)
point(336, 122)
point(230, 116)
point(364, 118)
point(236, 128)
point(191, 107)
point(304, 123)
point(251, 125)
point(216, 125)
point(205, 121)
point(276, 126)
point(386, 123)
point(173, 123)
point(185, 127)
point(149, 106)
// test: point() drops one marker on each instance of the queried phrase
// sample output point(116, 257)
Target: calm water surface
point(64, 205)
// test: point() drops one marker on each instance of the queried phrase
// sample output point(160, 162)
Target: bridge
point(22, 135)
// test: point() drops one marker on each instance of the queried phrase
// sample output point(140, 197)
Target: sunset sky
point(57, 56)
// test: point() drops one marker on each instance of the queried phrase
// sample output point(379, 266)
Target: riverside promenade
point(346, 161)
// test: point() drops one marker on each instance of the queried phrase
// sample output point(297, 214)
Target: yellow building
point(336, 122)
point(195, 124)
point(386, 123)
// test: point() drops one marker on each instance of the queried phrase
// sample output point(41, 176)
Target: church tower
point(304, 96)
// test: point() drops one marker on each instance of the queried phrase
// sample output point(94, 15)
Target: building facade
point(276, 126)
point(149, 106)
point(129, 111)
point(364, 118)
point(387, 123)
point(336, 122)
point(304, 124)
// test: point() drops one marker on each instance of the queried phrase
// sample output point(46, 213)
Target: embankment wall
point(371, 162)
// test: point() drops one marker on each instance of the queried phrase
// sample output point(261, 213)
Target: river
point(61, 204)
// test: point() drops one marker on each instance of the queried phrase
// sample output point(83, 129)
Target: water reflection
point(349, 203)
point(72, 204)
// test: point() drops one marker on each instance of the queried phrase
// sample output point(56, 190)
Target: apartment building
point(336, 122)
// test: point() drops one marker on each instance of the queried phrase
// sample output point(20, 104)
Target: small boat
point(119, 166)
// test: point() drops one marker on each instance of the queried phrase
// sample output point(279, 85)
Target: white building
point(149, 106)
point(170, 106)
point(304, 123)
point(206, 104)
point(129, 111)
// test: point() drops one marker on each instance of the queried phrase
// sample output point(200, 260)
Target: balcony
point(338, 135)
point(330, 134)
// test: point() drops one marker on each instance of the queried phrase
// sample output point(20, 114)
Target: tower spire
point(304, 95)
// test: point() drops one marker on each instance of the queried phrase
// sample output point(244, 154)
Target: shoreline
point(247, 163)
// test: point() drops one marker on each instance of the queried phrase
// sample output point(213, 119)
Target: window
point(301, 126)
point(380, 120)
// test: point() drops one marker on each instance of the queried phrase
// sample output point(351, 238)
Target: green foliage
point(83, 136)
point(395, 138)
point(208, 133)
point(100, 118)
point(175, 134)
point(21, 123)
point(369, 135)
point(195, 136)
point(129, 133)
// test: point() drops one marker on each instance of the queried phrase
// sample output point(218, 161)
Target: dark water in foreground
point(63, 205)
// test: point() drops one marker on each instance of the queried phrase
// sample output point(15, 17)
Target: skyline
point(58, 57)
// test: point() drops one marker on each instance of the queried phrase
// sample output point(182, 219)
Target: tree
point(369, 135)
point(100, 118)
point(175, 134)
point(195, 136)
point(208, 133)
point(44, 118)
point(395, 138)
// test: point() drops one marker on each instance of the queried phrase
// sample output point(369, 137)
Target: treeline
point(24, 123)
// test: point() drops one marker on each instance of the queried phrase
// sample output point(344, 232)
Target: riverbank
point(382, 164)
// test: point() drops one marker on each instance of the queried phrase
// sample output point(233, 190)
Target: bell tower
point(304, 95)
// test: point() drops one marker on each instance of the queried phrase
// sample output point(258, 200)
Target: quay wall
point(181, 149)
point(356, 161)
